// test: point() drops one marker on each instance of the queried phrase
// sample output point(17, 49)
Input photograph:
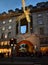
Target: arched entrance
point(27, 45)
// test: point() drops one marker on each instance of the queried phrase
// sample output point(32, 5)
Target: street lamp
point(13, 46)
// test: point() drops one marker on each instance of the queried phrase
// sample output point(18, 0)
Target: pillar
point(28, 27)
point(19, 27)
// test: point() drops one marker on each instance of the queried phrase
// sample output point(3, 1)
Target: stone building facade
point(40, 22)
point(7, 28)
point(10, 23)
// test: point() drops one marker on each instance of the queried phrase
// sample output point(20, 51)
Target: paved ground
point(25, 61)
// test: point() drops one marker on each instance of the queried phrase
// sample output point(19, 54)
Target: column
point(28, 27)
point(16, 26)
point(19, 27)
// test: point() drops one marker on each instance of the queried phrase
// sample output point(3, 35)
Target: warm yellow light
point(9, 50)
point(25, 12)
point(44, 49)
point(5, 50)
point(0, 51)
point(5, 43)
point(27, 16)
point(2, 43)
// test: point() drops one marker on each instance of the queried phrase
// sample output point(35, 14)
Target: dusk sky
point(6, 5)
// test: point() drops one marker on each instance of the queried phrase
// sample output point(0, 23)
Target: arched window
point(23, 29)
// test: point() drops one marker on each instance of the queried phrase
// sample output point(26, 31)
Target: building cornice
point(21, 15)
point(34, 10)
point(9, 15)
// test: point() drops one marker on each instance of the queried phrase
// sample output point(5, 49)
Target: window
point(5, 35)
point(3, 28)
point(10, 20)
point(9, 34)
point(10, 27)
point(40, 22)
point(39, 15)
point(2, 36)
point(23, 29)
point(5, 43)
point(41, 30)
point(3, 22)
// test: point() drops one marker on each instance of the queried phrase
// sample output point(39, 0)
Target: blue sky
point(6, 5)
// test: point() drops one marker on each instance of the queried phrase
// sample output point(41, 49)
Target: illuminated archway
point(30, 45)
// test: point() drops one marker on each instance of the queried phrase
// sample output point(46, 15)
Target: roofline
point(34, 10)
